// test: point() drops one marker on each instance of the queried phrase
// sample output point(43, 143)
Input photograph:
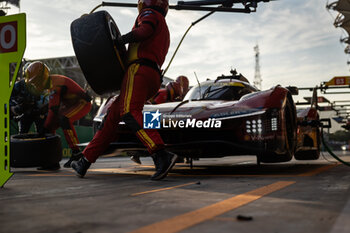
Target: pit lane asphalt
point(117, 196)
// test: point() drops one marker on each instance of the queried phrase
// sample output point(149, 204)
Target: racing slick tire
point(310, 154)
point(32, 150)
point(100, 57)
point(290, 131)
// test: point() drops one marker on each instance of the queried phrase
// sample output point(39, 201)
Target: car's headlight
point(274, 124)
point(254, 126)
point(259, 126)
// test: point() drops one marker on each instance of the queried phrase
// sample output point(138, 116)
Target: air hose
point(331, 152)
point(183, 37)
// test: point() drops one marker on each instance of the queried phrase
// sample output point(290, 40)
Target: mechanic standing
point(148, 45)
point(68, 102)
point(174, 91)
point(27, 108)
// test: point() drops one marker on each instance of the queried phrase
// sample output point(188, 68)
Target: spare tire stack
point(32, 150)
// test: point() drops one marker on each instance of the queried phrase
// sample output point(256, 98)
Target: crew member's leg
point(141, 84)
point(67, 117)
point(39, 123)
point(105, 135)
point(24, 124)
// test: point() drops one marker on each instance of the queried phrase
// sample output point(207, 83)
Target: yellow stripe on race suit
point(77, 109)
point(130, 85)
point(72, 136)
point(126, 92)
point(133, 52)
point(143, 139)
point(147, 139)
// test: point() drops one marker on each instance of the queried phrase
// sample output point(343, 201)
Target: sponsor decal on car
point(156, 120)
point(262, 137)
point(237, 113)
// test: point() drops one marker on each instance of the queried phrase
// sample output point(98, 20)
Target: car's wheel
point(32, 150)
point(310, 154)
point(99, 55)
point(289, 144)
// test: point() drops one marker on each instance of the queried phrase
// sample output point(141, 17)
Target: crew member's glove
point(120, 40)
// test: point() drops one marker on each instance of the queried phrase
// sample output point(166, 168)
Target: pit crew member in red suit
point(174, 91)
point(68, 102)
point(148, 45)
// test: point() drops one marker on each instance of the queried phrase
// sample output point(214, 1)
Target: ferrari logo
point(12, 46)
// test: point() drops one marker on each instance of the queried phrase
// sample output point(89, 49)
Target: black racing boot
point(75, 157)
point(136, 159)
point(163, 161)
point(81, 166)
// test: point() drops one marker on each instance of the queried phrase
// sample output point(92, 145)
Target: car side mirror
point(293, 90)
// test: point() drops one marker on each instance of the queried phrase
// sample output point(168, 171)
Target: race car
point(228, 116)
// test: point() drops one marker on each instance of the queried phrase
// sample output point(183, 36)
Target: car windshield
point(219, 91)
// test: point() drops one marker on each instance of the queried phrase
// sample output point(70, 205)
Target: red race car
point(228, 116)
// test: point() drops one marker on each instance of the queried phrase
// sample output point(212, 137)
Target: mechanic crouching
point(27, 108)
point(148, 45)
point(68, 102)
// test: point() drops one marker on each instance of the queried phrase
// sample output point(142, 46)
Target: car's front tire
point(289, 128)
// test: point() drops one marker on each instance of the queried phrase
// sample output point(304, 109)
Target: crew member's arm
point(54, 104)
point(13, 100)
point(146, 25)
point(160, 97)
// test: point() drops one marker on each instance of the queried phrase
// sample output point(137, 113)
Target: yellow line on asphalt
point(146, 166)
point(109, 170)
point(50, 175)
point(162, 189)
point(318, 170)
point(184, 221)
point(308, 173)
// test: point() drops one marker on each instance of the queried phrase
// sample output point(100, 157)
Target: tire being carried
point(100, 56)
point(32, 150)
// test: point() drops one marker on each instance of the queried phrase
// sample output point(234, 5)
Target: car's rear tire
point(100, 57)
point(310, 154)
point(32, 150)
point(289, 126)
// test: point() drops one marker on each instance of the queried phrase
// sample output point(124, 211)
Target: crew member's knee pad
point(131, 122)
